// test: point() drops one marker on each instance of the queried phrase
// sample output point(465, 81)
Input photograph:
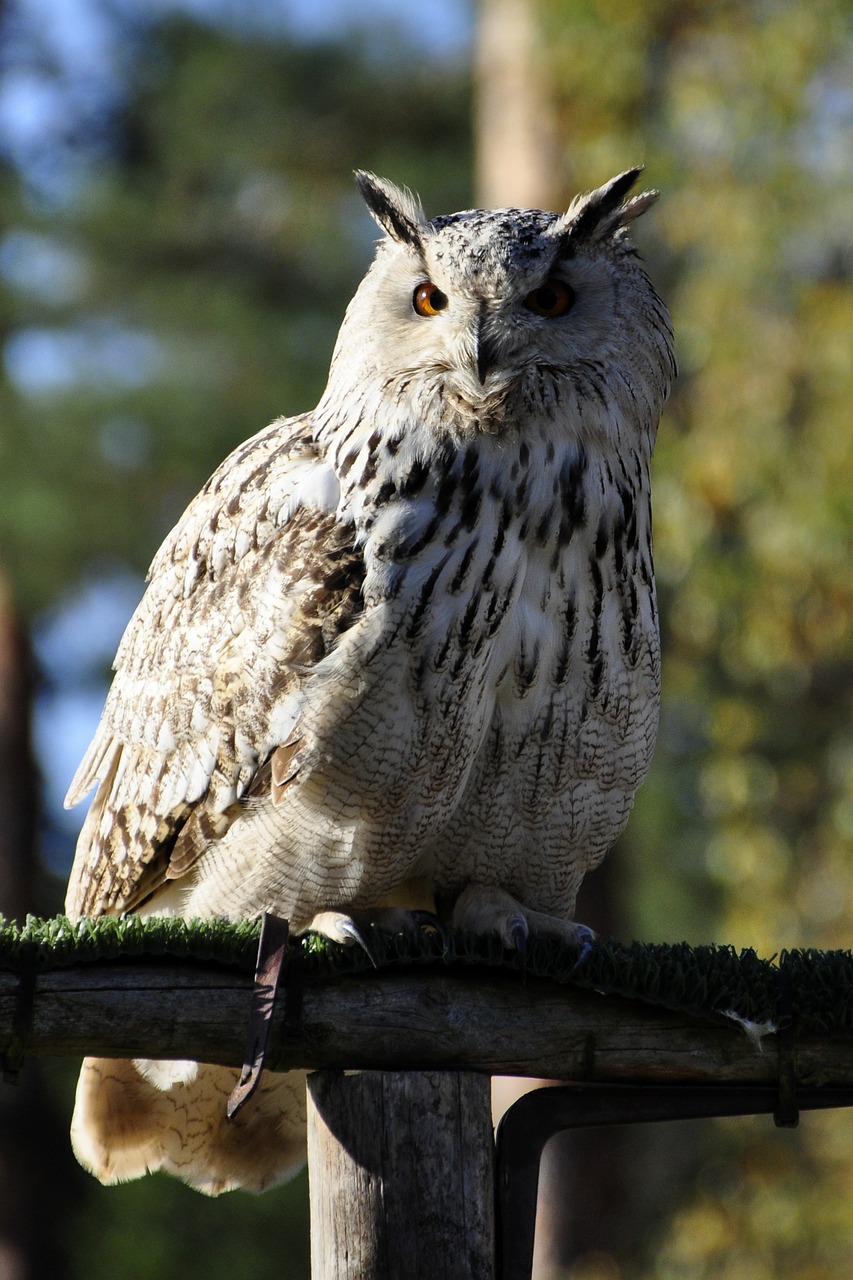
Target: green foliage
point(742, 113)
point(189, 292)
point(207, 264)
point(218, 238)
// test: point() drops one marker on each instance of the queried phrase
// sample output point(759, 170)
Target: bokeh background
point(180, 234)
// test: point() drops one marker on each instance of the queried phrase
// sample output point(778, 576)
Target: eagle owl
point(403, 646)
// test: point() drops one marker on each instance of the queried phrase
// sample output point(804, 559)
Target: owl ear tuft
point(394, 208)
point(598, 214)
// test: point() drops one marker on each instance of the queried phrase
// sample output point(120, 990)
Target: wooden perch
point(426, 1031)
point(398, 1019)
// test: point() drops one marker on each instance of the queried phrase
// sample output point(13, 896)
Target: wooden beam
point(412, 1019)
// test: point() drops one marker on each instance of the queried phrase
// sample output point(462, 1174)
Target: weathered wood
point(401, 1020)
point(401, 1169)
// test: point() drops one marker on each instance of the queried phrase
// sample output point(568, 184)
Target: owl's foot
point(339, 927)
point(350, 930)
point(483, 909)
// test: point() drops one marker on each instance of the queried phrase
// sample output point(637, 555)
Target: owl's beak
point(487, 352)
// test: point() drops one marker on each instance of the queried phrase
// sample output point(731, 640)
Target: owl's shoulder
point(267, 510)
point(251, 494)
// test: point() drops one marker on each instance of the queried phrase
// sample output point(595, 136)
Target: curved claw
point(585, 945)
point(517, 936)
point(351, 935)
point(341, 928)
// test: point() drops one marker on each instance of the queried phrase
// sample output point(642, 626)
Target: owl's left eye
point(553, 298)
point(427, 300)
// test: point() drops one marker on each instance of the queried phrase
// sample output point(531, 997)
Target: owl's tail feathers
point(125, 1126)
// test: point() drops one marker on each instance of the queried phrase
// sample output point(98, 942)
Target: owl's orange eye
point(553, 298)
point(427, 300)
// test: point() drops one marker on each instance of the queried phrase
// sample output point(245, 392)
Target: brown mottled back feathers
point(184, 732)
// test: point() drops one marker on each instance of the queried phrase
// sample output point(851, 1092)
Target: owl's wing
point(247, 594)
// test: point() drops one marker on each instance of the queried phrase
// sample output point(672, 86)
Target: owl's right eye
point(427, 300)
point(553, 298)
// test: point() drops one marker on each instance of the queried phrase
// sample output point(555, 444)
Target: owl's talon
point(352, 936)
point(482, 909)
point(341, 928)
point(585, 945)
point(517, 935)
point(351, 929)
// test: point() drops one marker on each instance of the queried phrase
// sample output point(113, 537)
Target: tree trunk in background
point(518, 163)
point(515, 151)
point(34, 1152)
point(17, 769)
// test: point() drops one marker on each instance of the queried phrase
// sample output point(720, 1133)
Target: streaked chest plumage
point(508, 652)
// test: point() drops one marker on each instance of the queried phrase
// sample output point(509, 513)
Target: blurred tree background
point(181, 234)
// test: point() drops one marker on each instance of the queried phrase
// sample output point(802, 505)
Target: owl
point(400, 650)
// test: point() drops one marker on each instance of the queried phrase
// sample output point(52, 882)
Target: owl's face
point(493, 311)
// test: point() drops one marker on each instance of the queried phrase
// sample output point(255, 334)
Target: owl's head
point(492, 312)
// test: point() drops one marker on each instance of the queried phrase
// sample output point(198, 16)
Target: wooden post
point(401, 1170)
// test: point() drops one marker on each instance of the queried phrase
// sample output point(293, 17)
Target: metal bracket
point(539, 1115)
